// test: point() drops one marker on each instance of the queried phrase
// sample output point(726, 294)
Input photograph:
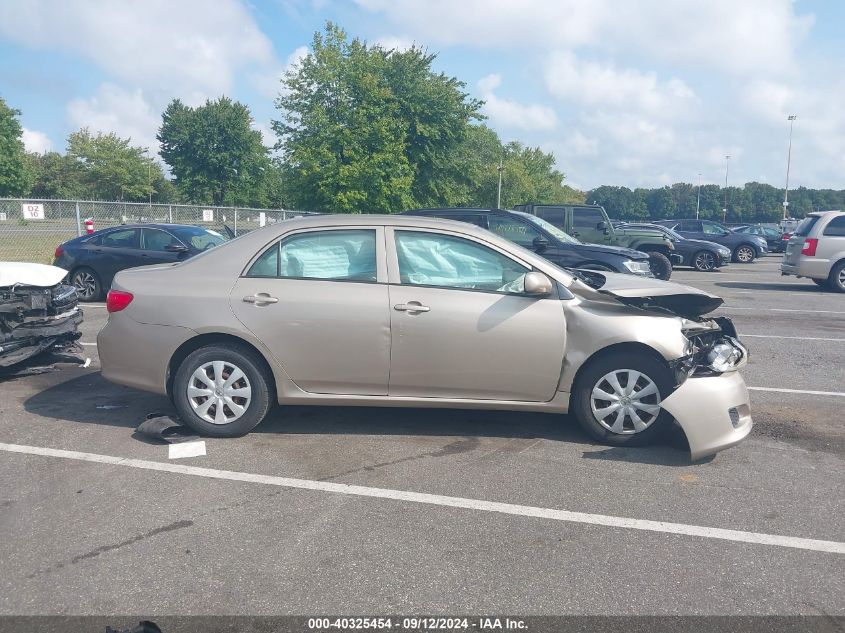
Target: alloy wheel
point(840, 278)
point(219, 392)
point(705, 261)
point(85, 284)
point(625, 401)
point(745, 254)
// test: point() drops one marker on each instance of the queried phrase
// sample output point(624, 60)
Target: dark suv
point(744, 248)
point(543, 238)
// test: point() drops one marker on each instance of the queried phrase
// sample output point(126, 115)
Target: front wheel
point(222, 391)
point(744, 254)
point(616, 399)
point(705, 261)
point(660, 265)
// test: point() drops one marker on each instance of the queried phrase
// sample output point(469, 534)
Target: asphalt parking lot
point(269, 527)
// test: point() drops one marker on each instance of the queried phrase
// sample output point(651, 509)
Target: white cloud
point(127, 113)
point(268, 82)
point(595, 84)
point(35, 141)
point(510, 114)
point(186, 46)
point(735, 37)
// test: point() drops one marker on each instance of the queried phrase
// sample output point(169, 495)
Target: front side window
point(330, 255)
point(713, 229)
point(433, 259)
point(122, 238)
point(156, 240)
point(513, 230)
point(586, 218)
point(836, 227)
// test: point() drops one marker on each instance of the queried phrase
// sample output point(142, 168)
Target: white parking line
point(804, 391)
point(738, 536)
point(781, 310)
point(89, 344)
point(797, 338)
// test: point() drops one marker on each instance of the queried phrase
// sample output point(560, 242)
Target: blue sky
point(630, 93)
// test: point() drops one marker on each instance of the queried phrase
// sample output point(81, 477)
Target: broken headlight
point(726, 355)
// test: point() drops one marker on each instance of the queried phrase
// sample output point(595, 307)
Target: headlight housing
point(726, 355)
point(638, 267)
point(725, 252)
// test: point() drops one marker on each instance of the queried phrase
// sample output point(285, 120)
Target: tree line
point(360, 128)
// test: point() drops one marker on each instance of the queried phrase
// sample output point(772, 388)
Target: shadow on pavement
point(90, 399)
point(781, 287)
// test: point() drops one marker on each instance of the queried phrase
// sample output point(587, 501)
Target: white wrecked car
point(37, 311)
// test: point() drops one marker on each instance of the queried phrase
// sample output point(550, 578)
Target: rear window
point(806, 225)
point(836, 228)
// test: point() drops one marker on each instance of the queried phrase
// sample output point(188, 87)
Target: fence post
point(78, 221)
point(236, 221)
point(170, 213)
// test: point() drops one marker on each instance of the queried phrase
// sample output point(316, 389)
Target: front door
point(318, 299)
point(585, 226)
point(461, 326)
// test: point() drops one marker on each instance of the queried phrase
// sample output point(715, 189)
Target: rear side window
point(123, 238)
point(836, 227)
point(552, 215)
point(807, 224)
point(689, 225)
point(328, 255)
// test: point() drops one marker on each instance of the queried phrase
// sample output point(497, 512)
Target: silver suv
point(817, 250)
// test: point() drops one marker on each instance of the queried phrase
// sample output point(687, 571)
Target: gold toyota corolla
point(419, 312)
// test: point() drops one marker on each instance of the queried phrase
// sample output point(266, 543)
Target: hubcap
point(705, 261)
point(219, 392)
point(625, 401)
point(85, 284)
point(745, 254)
point(841, 278)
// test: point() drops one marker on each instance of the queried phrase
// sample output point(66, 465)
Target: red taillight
point(786, 236)
point(810, 245)
point(59, 252)
point(117, 300)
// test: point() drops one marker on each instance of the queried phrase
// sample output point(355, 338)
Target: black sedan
point(773, 236)
point(700, 254)
point(745, 248)
point(544, 238)
point(93, 260)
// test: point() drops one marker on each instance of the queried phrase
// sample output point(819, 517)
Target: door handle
point(260, 298)
point(413, 306)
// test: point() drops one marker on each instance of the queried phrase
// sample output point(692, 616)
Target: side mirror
point(540, 243)
point(602, 226)
point(176, 248)
point(537, 284)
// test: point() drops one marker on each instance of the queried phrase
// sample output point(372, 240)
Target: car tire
point(252, 391)
point(705, 261)
point(654, 376)
point(660, 265)
point(87, 284)
point(836, 280)
point(745, 254)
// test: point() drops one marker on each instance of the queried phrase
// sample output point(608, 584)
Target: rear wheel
point(745, 254)
point(87, 284)
point(705, 261)
point(616, 399)
point(222, 391)
point(660, 265)
point(836, 280)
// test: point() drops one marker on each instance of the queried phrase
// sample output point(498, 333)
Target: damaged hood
point(41, 275)
point(663, 296)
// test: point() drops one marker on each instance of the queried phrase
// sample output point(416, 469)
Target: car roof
point(456, 210)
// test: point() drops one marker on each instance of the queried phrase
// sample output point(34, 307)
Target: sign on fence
point(2, 217)
point(262, 218)
point(208, 215)
point(32, 211)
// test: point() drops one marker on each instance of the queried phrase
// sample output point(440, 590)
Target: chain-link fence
point(31, 229)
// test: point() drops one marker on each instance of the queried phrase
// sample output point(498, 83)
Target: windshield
point(559, 234)
point(200, 238)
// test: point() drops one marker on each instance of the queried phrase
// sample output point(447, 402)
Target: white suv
point(817, 250)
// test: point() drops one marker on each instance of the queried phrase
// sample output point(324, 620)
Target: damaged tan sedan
point(417, 312)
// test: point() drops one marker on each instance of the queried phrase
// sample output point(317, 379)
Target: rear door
point(461, 326)
point(318, 300)
point(116, 251)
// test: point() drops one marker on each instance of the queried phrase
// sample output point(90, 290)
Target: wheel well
point(610, 350)
point(191, 345)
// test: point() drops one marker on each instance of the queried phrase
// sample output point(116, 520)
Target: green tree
point(14, 176)
point(213, 153)
point(55, 175)
point(110, 167)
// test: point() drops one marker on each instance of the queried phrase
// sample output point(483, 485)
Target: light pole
point(499, 192)
point(791, 118)
point(725, 208)
point(698, 197)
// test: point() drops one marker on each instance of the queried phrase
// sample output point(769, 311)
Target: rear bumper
point(713, 411)
point(138, 354)
point(807, 267)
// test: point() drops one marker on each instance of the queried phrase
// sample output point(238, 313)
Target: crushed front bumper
point(713, 411)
